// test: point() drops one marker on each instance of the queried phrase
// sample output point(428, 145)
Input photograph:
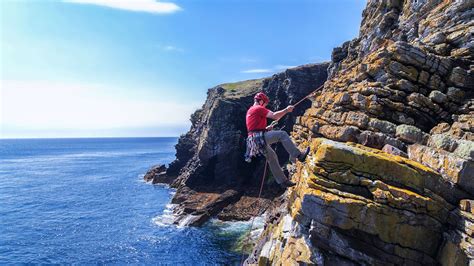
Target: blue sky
point(92, 68)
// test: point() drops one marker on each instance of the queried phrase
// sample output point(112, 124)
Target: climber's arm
point(279, 114)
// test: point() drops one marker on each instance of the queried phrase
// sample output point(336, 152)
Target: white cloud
point(276, 68)
point(172, 48)
point(36, 106)
point(150, 6)
point(280, 67)
point(258, 70)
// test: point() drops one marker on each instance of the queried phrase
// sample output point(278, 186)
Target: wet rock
point(197, 208)
point(157, 174)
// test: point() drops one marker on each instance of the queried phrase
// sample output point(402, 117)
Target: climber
point(261, 136)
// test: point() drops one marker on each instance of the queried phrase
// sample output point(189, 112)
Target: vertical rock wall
point(407, 76)
point(404, 86)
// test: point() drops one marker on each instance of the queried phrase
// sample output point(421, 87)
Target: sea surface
point(83, 201)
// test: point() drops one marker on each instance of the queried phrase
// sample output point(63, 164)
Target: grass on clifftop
point(242, 88)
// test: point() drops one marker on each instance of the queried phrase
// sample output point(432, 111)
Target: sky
point(123, 68)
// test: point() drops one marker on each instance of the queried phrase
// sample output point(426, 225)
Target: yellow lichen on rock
point(355, 188)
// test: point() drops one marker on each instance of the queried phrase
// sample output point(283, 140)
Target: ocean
point(84, 201)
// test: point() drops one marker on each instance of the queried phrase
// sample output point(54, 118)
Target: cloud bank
point(149, 6)
point(37, 106)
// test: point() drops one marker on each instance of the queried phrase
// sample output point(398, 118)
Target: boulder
point(410, 134)
point(438, 97)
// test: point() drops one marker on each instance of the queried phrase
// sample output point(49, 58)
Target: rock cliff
point(209, 172)
point(358, 205)
point(391, 175)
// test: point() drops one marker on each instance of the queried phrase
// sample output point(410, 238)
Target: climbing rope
point(253, 218)
point(311, 94)
point(274, 123)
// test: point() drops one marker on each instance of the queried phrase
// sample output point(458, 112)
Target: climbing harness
point(274, 123)
point(256, 145)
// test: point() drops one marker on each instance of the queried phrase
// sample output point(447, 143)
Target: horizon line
point(107, 137)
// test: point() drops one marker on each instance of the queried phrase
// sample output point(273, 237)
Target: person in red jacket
point(261, 136)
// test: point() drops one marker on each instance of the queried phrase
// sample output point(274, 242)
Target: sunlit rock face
point(407, 76)
point(404, 86)
point(358, 205)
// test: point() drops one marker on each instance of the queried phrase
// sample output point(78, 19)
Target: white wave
point(170, 206)
point(163, 220)
point(240, 226)
point(167, 217)
point(187, 220)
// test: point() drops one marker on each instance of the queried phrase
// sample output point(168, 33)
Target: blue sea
point(83, 201)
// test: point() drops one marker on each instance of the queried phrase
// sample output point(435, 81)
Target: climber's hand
point(289, 108)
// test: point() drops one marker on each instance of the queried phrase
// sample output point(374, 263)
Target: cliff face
point(405, 86)
point(211, 174)
point(357, 205)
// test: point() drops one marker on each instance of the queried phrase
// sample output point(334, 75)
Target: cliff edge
point(390, 178)
point(209, 173)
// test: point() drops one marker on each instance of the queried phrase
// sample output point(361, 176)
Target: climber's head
point(261, 98)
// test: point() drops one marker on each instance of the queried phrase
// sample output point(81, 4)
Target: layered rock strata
point(405, 86)
point(407, 76)
point(390, 179)
point(356, 205)
point(209, 172)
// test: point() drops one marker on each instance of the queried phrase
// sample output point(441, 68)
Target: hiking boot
point(287, 184)
point(302, 156)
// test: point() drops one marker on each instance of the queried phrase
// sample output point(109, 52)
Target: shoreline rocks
point(209, 157)
point(157, 174)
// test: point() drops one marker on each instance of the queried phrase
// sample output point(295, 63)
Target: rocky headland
point(210, 175)
point(390, 177)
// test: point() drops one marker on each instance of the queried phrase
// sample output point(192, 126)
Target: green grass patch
point(242, 88)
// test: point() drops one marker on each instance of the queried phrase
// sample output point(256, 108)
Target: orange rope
point(300, 101)
point(275, 122)
point(253, 218)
